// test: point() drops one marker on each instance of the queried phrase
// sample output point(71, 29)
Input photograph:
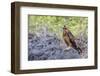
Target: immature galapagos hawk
point(70, 39)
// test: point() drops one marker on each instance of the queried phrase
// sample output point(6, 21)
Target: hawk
point(70, 39)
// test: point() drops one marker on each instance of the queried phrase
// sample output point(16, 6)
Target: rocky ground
point(47, 46)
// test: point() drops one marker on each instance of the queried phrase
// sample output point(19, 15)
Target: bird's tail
point(79, 50)
point(76, 47)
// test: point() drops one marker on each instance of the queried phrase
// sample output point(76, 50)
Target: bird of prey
point(70, 39)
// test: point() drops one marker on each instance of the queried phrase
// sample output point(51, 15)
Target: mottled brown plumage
point(70, 39)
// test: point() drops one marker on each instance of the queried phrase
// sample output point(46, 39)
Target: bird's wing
point(71, 36)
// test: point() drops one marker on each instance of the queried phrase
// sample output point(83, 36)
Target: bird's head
point(65, 28)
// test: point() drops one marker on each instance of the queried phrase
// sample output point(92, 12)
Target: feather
point(70, 39)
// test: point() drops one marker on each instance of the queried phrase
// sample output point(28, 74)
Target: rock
point(47, 47)
point(72, 54)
